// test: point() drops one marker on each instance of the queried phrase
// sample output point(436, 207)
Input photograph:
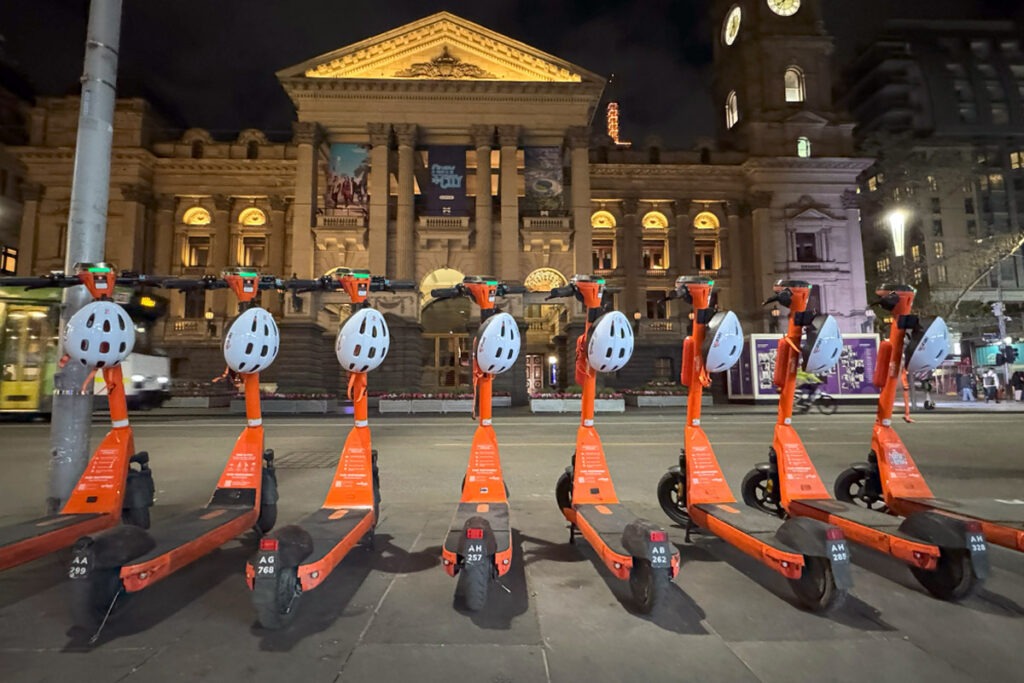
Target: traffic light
point(1009, 354)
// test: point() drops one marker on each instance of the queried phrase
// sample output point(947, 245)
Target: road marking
point(520, 444)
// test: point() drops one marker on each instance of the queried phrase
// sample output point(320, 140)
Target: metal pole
point(87, 228)
point(1000, 309)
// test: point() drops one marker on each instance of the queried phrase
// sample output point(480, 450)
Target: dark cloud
point(212, 64)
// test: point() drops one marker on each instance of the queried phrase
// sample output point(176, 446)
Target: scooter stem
point(252, 399)
point(114, 380)
point(897, 337)
point(357, 394)
point(701, 296)
point(788, 390)
point(484, 392)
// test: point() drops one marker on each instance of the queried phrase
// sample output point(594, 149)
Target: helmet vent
point(104, 347)
point(248, 348)
point(372, 353)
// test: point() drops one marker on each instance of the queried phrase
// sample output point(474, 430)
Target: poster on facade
point(445, 190)
point(751, 377)
point(544, 181)
point(348, 173)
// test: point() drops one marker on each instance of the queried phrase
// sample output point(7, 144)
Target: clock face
point(731, 27)
point(784, 8)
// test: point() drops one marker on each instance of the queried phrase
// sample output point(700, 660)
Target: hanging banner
point(544, 180)
point(348, 173)
point(445, 190)
point(751, 377)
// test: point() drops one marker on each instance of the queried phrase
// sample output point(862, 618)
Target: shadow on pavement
point(508, 597)
point(25, 581)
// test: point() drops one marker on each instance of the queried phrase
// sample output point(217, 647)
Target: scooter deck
point(497, 514)
point(608, 521)
point(873, 528)
point(31, 539)
point(1002, 523)
point(335, 531)
point(748, 521)
point(751, 532)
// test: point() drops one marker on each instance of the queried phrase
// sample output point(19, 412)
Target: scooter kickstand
point(99, 629)
point(572, 534)
point(689, 527)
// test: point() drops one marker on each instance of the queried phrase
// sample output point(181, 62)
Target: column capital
point(380, 133)
point(578, 136)
point(630, 205)
point(508, 135)
point(733, 208)
point(137, 192)
point(405, 134)
point(849, 199)
point(760, 200)
point(32, 192)
point(222, 202)
point(483, 135)
point(306, 132)
point(166, 202)
point(278, 203)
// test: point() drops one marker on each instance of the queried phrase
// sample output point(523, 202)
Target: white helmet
point(723, 343)
point(99, 335)
point(611, 342)
point(363, 341)
point(927, 351)
point(252, 341)
point(823, 346)
point(497, 345)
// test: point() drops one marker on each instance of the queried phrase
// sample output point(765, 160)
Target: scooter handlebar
point(504, 289)
point(446, 292)
point(399, 285)
point(560, 292)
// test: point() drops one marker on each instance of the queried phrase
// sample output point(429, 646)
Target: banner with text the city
point(444, 192)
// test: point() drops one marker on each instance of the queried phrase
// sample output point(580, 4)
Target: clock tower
point(773, 79)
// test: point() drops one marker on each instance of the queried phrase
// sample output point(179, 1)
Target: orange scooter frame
point(812, 555)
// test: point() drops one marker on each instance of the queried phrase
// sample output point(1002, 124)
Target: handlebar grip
point(401, 284)
point(559, 292)
point(513, 289)
point(445, 293)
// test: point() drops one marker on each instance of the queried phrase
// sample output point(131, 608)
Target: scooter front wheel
point(277, 605)
point(563, 491)
point(952, 579)
point(672, 498)
point(851, 487)
point(476, 583)
point(816, 588)
point(138, 516)
point(267, 518)
point(758, 492)
point(648, 585)
point(96, 596)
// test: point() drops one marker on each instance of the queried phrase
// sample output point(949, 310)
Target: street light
point(897, 219)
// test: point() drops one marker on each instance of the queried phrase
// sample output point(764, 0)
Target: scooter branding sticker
point(896, 457)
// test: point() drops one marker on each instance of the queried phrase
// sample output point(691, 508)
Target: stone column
point(224, 226)
point(380, 139)
point(307, 135)
point(31, 194)
point(858, 295)
point(508, 138)
point(164, 257)
point(629, 263)
point(579, 144)
point(483, 138)
point(405, 249)
point(734, 263)
point(762, 251)
point(682, 250)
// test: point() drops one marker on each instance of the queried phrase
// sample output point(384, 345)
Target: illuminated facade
point(442, 149)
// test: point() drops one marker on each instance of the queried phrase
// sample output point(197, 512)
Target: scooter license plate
point(266, 565)
point(80, 566)
point(978, 549)
point(661, 556)
point(839, 557)
point(476, 553)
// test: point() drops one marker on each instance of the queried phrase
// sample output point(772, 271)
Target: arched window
point(732, 111)
point(252, 217)
point(705, 220)
point(197, 215)
point(602, 219)
point(197, 149)
point(803, 147)
point(654, 219)
point(794, 81)
point(252, 149)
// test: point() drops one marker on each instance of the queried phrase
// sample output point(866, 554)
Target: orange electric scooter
point(478, 546)
point(123, 560)
point(812, 555)
point(298, 558)
point(109, 490)
point(893, 482)
point(634, 549)
point(937, 548)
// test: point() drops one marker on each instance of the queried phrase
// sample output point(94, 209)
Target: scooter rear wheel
point(648, 585)
point(757, 493)
point(92, 597)
point(953, 579)
point(672, 498)
point(476, 583)
point(816, 588)
point(851, 487)
point(276, 608)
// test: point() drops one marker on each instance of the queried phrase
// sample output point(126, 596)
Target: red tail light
point(973, 527)
point(659, 536)
point(834, 534)
point(268, 544)
point(475, 534)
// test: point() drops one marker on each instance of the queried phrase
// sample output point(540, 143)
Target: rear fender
point(810, 537)
point(676, 469)
point(950, 533)
point(112, 548)
point(478, 550)
point(862, 467)
point(763, 467)
point(636, 539)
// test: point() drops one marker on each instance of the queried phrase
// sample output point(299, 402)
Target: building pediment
point(441, 47)
point(807, 117)
point(811, 215)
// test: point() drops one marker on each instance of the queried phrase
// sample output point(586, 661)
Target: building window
point(968, 114)
point(663, 368)
point(8, 260)
point(732, 110)
point(940, 273)
point(803, 147)
point(1000, 113)
point(656, 308)
point(195, 303)
point(197, 251)
point(705, 220)
point(937, 228)
point(936, 205)
point(794, 80)
point(654, 219)
point(252, 150)
point(918, 274)
point(872, 183)
point(1017, 160)
point(969, 205)
point(933, 184)
point(653, 255)
point(197, 215)
point(602, 219)
point(939, 249)
point(915, 252)
point(252, 217)
point(704, 254)
point(806, 246)
point(197, 149)
point(602, 251)
point(254, 251)
point(882, 265)
point(995, 181)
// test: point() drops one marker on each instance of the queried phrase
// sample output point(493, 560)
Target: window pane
point(806, 246)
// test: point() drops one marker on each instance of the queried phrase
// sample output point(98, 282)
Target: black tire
point(276, 609)
point(827, 405)
point(267, 518)
point(563, 492)
point(816, 588)
point(757, 494)
point(851, 487)
point(649, 586)
point(672, 498)
point(953, 579)
point(136, 517)
point(92, 597)
point(476, 583)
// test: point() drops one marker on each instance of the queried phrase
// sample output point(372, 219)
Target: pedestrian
point(990, 382)
point(964, 385)
point(1017, 382)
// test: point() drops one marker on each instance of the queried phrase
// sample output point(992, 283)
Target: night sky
point(211, 63)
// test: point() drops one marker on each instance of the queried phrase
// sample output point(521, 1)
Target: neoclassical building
point(441, 149)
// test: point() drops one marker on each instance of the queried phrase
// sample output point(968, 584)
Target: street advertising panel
point(348, 174)
point(445, 189)
point(544, 181)
point(751, 377)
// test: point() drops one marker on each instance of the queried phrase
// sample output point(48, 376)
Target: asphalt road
point(392, 614)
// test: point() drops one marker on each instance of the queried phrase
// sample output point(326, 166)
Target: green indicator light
point(246, 273)
point(99, 270)
point(492, 283)
point(600, 281)
point(361, 276)
point(711, 283)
